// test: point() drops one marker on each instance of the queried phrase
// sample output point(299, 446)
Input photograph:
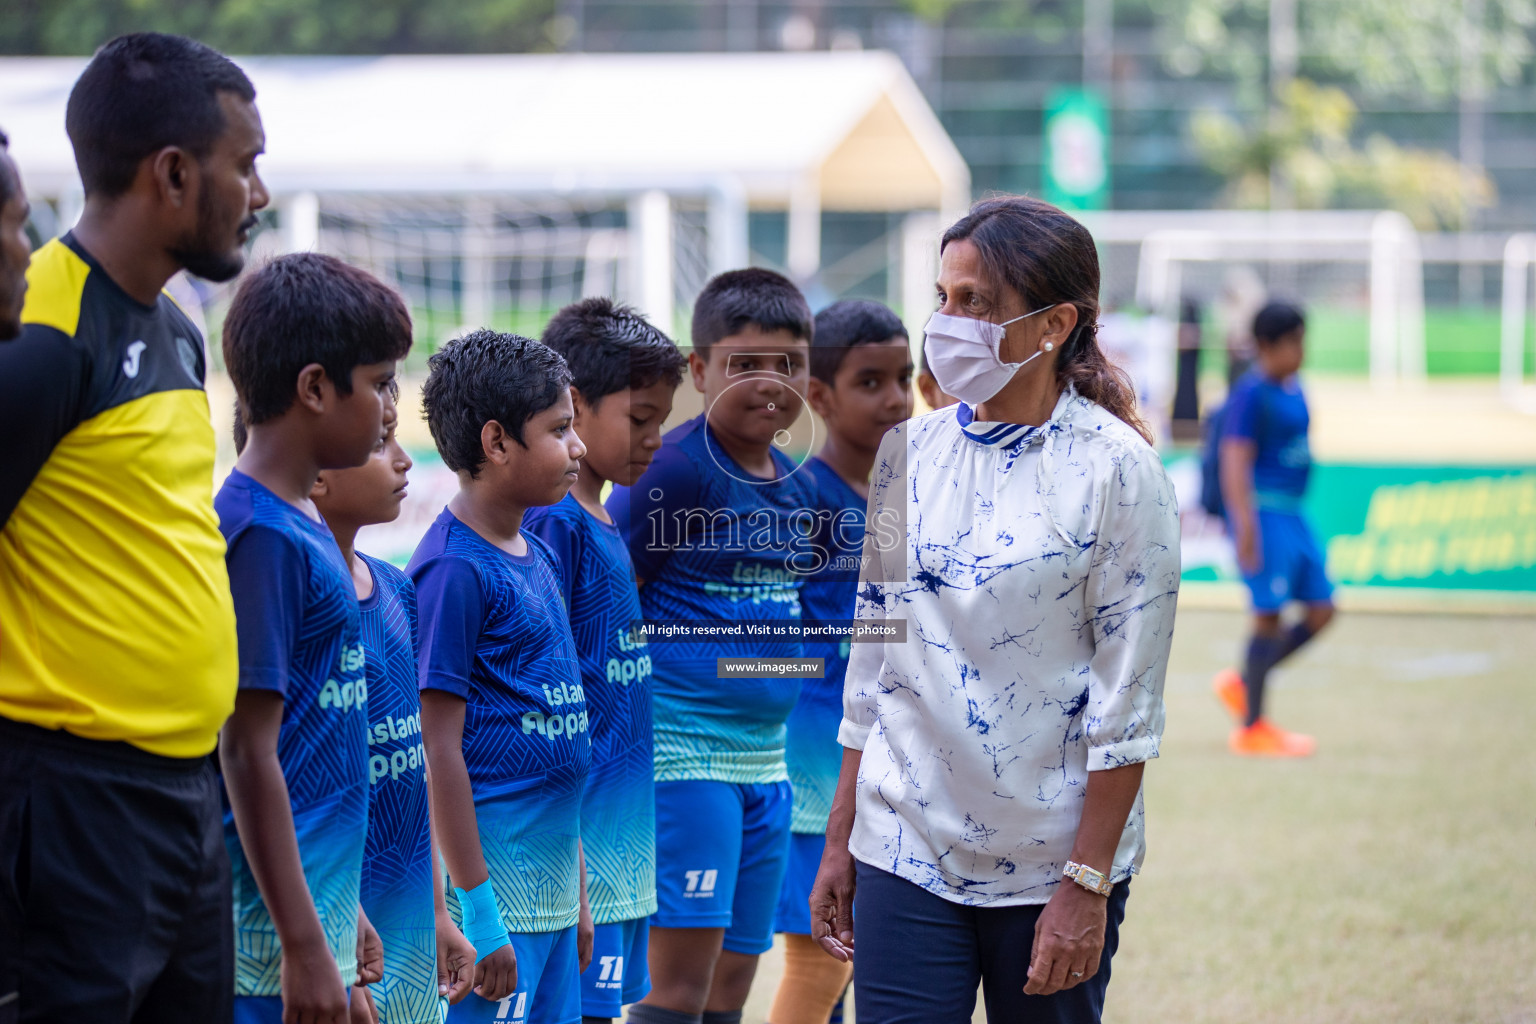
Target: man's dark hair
point(9, 186)
point(1275, 321)
point(610, 347)
point(308, 308)
point(845, 324)
point(755, 297)
point(141, 93)
point(484, 376)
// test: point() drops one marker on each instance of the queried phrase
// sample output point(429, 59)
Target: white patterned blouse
point(1037, 569)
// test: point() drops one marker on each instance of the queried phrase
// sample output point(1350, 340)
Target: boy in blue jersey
point(311, 346)
point(719, 529)
point(426, 958)
point(1265, 461)
point(861, 386)
point(624, 373)
point(503, 712)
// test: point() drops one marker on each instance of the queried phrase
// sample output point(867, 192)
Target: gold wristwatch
point(1093, 881)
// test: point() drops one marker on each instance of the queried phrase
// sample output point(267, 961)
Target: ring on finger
point(1077, 974)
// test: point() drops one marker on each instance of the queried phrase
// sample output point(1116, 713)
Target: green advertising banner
point(1430, 527)
point(1076, 150)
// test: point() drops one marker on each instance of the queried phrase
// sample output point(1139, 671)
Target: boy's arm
point(586, 931)
point(453, 801)
point(258, 796)
point(1237, 455)
point(1239, 447)
point(267, 581)
point(455, 956)
point(451, 613)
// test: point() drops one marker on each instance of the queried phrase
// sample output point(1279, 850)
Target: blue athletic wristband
point(482, 919)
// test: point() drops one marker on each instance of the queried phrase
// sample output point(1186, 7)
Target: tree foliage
point(1308, 142)
point(1382, 46)
point(284, 26)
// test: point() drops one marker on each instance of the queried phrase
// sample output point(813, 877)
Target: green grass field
point(1391, 878)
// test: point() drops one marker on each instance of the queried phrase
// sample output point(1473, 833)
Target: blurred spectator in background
point(1242, 295)
point(1186, 388)
point(15, 247)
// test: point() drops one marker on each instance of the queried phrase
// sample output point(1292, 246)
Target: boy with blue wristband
point(624, 375)
point(311, 346)
point(503, 713)
point(719, 528)
point(861, 386)
point(426, 959)
point(1265, 462)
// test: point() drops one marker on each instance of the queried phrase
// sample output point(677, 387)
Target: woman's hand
point(832, 904)
point(1069, 938)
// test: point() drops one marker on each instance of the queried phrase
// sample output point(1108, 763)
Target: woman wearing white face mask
point(989, 812)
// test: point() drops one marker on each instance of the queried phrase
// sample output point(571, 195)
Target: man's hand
point(455, 960)
point(370, 952)
point(496, 975)
point(311, 986)
point(832, 904)
point(1069, 939)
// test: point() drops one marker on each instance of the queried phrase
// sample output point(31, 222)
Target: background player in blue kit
point(311, 346)
point(861, 386)
point(1265, 462)
point(503, 713)
point(718, 528)
point(625, 373)
point(426, 958)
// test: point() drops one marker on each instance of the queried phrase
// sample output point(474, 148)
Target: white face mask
point(963, 355)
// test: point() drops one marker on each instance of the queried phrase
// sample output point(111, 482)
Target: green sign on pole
point(1077, 150)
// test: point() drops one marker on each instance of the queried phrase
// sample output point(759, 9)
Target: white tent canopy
point(802, 132)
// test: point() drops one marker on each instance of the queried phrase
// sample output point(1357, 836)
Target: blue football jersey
point(618, 813)
point(297, 624)
point(812, 753)
point(397, 860)
point(709, 541)
point(494, 632)
point(1274, 417)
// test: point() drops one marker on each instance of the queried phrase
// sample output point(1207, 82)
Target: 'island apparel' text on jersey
point(494, 633)
point(397, 860)
point(115, 615)
point(1273, 415)
point(812, 753)
point(618, 812)
point(710, 541)
point(1038, 581)
point(299, 637)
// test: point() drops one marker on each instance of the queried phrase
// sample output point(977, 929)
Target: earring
point(1048, 346)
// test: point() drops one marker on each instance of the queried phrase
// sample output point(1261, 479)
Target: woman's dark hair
point(485, 376)
point(610, 347)
point(307, 308)
point(845, 324)
point(1049, 258)
point(141, 93)
point(1275, 321)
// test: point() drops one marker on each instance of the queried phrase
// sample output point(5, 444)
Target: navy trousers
point(920, 957)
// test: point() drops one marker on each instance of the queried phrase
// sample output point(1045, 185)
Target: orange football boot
point(1233, 694)
point(1264, 739)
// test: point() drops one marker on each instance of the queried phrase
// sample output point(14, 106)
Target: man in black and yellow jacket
point(117, 632)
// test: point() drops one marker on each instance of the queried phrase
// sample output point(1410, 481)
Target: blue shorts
point(548, 985)
point(720, 854)
point(1294, 568)
point(794, 915)
point(618, 974)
